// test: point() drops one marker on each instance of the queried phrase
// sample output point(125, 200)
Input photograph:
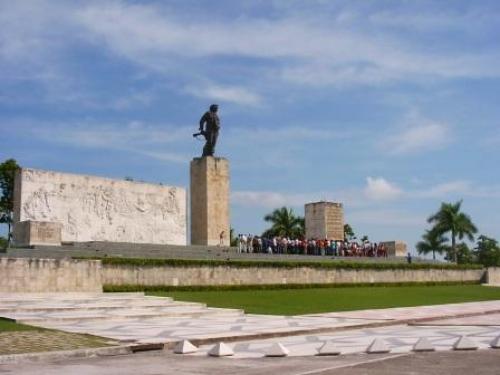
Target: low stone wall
point(493, 275)
point(30, 275)
point(222, 275)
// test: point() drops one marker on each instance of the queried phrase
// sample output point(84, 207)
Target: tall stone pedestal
point(324, 220)
point(209, 201)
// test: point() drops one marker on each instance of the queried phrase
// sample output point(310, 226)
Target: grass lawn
point(307, 301)
point(19, 338)
point(9, 326)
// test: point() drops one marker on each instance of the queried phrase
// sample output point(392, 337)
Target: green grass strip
point(147, 262)
point(320, 300)
point(7, 325)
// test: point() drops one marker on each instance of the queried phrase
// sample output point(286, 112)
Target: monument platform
point(152, 251)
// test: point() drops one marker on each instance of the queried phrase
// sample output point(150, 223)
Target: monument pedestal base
point(44, 233)
point(210, 201)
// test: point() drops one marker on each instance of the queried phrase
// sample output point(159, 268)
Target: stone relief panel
point(100, 209)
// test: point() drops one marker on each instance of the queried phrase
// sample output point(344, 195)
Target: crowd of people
point(283, 245)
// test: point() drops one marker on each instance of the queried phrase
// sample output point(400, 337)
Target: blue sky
point(390, 107)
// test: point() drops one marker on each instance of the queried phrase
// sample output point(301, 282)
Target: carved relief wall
point(100, 209)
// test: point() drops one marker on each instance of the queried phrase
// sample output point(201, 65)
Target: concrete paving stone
point(220, 350)
point(277, 350)
point(465, 343)
point(478, 320)
point(423, 345)
point(185, 347)
point(419, 312)
point(378, 346)
point(495, 343)
point(329, 348)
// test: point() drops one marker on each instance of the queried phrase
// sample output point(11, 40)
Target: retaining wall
point(493, 275)
point(222, 275)
point(30, 275)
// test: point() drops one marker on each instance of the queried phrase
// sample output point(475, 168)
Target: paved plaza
point(483, 362)
point(136, 319)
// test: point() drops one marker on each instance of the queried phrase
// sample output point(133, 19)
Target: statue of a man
point(209, 127)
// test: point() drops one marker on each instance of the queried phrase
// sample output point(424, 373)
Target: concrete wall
point(493, 275)
point(395, 248)
point(99, 209)
point(209, 201)
point(30, 275)
point(120, 275)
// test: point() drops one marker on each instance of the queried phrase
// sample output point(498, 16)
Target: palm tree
point(284, 223)
point(432, 242)
point(348, 232)
point(449, 218)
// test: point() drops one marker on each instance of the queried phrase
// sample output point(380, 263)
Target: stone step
point(124, 311)
point(53, 321)
point(71, 296)
point(49, 309)
point(83, 302)
point(83, 305)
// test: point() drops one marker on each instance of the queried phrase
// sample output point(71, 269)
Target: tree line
point(450, 224)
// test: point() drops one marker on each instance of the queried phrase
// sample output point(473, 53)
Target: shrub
point(147, 262)
point(200, 288)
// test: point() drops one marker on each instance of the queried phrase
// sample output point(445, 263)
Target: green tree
point(450, 219)
point(487, 251)
point(3, 243)
point(284, 223)
point(432, 242)
point(364, 238)
point(348, 232)
point(463, 254)
point(7, 173)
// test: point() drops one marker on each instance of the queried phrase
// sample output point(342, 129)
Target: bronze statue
point(209, 128)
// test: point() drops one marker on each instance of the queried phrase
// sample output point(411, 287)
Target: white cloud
point(379, 188)
point(232, 94)
point(417, 135)
point(382, 216)
point(167, 156)
point(271, 199)
point(134, 137)
point(444, 189)
point(294, 132)
point(335, 46)
point(378, 192)
point(323, 51)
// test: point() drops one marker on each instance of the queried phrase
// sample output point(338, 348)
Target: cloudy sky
point(390, 107)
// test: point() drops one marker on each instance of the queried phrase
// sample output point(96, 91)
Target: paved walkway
point(484, 362)
point(133, 317)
